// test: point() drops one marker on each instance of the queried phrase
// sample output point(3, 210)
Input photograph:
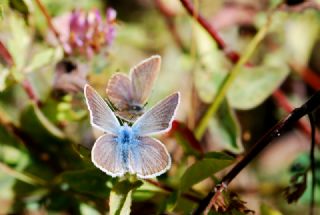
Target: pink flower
point(88, 33)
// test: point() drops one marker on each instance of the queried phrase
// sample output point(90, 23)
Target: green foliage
point(46, 136)
point(121, 197)
point(204, 168)
point(88, 181)
point(225, 129)
point(255, 85)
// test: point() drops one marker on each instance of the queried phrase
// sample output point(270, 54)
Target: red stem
point(309, 76)
point(168, 15)
point(232, 55)
point(5, 54)
point(184, 131)
point(49, 20)
point(30, 91)
point(281, 99)
point(204, 23)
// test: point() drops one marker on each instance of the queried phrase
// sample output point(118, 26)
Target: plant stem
point(168, 18)
point(309, 76)
point(311, 105)
point(27, 178)
point(282, 101)
point(313, 162)
point(170, 189)
point(49, 20)
point(28, 88)
point(203, 22)
point(227, 82)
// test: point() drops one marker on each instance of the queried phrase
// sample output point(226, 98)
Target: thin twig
point(27, 178)
point(170, 190)
point(28, 88)
point(49, 20)
point(283, 102)
point(313, 162)
point(311, 105)
point(5, 54)
point(168, 18)
point(233, 56)
point(203, 22)
point(309, 76)
point(218, 192)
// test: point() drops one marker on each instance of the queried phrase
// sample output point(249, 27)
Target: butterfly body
point(126, 140)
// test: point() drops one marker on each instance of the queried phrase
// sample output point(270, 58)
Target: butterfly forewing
point(119, 91)
point(149, 158)
point(142, 77)
point(101, 115)
point(158, 119)
point(106, 155)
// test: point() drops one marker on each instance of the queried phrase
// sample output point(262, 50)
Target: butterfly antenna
point(112, 107)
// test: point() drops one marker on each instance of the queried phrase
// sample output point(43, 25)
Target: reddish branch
point(5, 55)
point(168, 17)
point(309, 76)
point(283, 102)
point(30, 91)
point(48, 19)
point(232, 55)
point(187, 134)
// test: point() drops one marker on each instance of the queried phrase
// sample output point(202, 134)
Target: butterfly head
point(136, 109)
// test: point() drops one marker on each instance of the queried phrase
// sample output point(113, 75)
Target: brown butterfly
point(129, 94)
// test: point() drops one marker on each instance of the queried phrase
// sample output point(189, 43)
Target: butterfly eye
point(137, 108)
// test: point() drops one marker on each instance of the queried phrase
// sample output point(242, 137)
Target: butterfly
point(129, 94)
point(125, 148)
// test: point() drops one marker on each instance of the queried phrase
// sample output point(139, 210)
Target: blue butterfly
point(125, 148)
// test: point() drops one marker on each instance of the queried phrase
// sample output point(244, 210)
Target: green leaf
point(266, 210)
point(88, 181)
point(121, 197)
point(12, 101)
point(302, 32)
point(145, 192)
point(209, 165)
point(37, 125)
point(172, 201)
point(255, 84)
point(40, 59)
point(48, 139)
point(19, 41)
point(225, 129)
point(4, 73)
point(20, 6)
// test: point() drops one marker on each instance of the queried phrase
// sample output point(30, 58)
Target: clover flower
point(89, 33)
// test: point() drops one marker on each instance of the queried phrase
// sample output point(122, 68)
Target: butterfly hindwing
point(106, 155)
point(159, 118)
point(149, 158)
point(101, 115)
point(143, 76)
